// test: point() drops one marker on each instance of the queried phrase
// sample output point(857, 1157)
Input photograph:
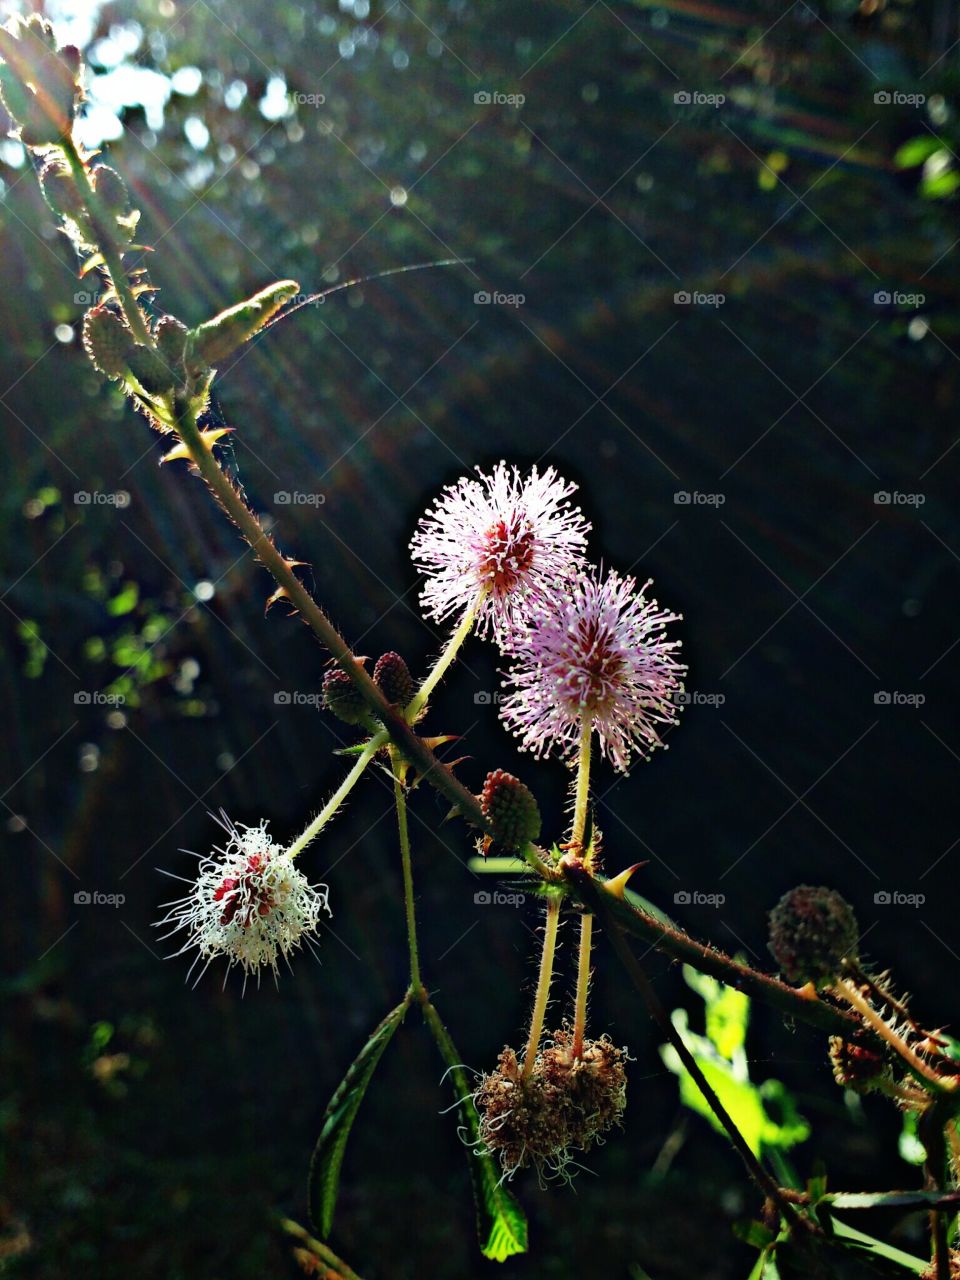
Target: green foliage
point(501, 1223)
point(324, 1180)
point(721, 1056)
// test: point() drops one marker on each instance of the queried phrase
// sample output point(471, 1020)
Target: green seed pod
point(812, 931)
point(171, 337)
point(511, 809)
point(107, 341)
point(341, 696)
point(111, 189)
point(151, 371)
point(60, 191)
point(393, 676)
point(213, 341)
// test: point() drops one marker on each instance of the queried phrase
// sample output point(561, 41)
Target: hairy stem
point(341, 793)
point(583, 983)
point(443, 663)
point(677, 944)
point(416, 985)
point(108, 246)
point(848, 991)
point(660, 1016)
point(581, 802)
point(543, 984)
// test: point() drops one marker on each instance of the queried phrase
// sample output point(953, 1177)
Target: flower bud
point(812, 931)
point(39, 84)
point(343, 698)
point(60, 190)
point(511, 809)
point(393, 676)
point(213, 341)
point(111, 189)
point(170, 335)
point(151, 371)
point(107, 341)
point(858, 1064)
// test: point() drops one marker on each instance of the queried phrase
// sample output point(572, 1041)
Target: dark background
point(155, 1130)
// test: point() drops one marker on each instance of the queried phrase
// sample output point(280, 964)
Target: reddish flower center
point(245, 894)
point(597, 667)
point(507, 551)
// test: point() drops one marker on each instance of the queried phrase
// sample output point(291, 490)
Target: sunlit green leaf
point(501, 1223)
point(324, 1181)
point(915, 151)
point(125, 601)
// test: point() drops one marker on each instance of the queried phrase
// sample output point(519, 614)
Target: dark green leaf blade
point(501, 1223)
point(324, 1180)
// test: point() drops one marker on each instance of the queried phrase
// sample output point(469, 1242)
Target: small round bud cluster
point(565, 1105)
point(511, 809)
point(107, 340)
point(111, 189)
point(812, 931)
point(39, 83)
point(60, 190)
point(342, 697)
point(393, 677)
point(151, 371)
point(170, 335)
point(857, 1063)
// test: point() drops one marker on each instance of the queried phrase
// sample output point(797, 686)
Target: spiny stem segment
point(931, 1079)
point(543, 984)
point(660, 1016)
point(416, 986)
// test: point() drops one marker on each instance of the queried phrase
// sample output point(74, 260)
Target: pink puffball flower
point(598, 651)
point(510, 538)
point(249, 904)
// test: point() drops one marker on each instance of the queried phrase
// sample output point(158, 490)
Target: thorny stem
point(396, 761)
point(679, 945)
point(660, 1016)
point(421, 697)
point(543, 984)
point(108, 247)
point(848, 991)
point(581, 801)
point(672, 941)
point(341, 793)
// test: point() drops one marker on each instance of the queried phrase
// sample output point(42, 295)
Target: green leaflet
point(501, 1223)
point(214, 340)
point(721, 1056)
point(876, 1248)
point(324, 1180)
